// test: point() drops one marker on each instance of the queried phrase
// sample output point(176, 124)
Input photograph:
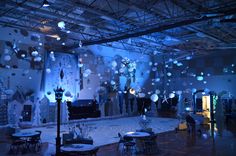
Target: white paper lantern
point(88, 71)
point(154, 68)
point(157, 79)
point(200, 78)
point(7, 58)
point(80, 65)
point(68, 94)
point(157, 91)
point(34, 53)
point(168, 74)
point(141, 95)
point(85, 75)
point(48, 70)
point(121, 70)
point(61, 24)
point(175, 62)
point(171, 95)
point(154, 97)
point(179, 64)
point(206, 90)
point(37, 59)
point(194, 90)
point(188, 58)
point(179, 92)
point(23, 55)
point(51, 54)
point(113, 64)
point(113, 82)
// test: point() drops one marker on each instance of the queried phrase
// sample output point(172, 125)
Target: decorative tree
point(64, 112)
point(37, 117)
point(128, 69)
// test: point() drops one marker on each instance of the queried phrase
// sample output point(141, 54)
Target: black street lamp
point(58, 96)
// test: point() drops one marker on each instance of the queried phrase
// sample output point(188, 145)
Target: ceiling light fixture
point(46, 3)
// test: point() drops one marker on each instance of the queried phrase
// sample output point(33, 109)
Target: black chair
point(79, 141)
point(34, 143)
point(191, 124)
point(40, 132)
point(17, 145)
point(89, 153)
point(80, 153)
point(150, 144)
point(127, 142)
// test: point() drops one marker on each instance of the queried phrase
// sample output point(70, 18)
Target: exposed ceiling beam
point(194, 28)
point(210, 35)
point(156, 29)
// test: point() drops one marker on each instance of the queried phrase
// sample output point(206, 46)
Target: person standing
point(219, 116)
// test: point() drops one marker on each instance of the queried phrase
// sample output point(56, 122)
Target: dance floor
point(105, 131)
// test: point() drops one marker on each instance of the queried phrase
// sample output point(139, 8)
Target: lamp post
point(58, 96)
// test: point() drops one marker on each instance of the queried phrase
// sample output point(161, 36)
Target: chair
point(66, 137)
point(150, 144)
point(191, 124)
point(128, 144)
point(34, 142)
point(78, 141)
point(16, 144)
point(89, 153)
point(92, 152)
point(40, 132)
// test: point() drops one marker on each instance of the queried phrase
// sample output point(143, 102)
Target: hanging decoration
point(154, 97)
point(171, 95)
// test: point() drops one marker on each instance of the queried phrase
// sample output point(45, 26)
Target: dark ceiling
point(179, 27)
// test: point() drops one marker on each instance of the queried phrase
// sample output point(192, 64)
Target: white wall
point(108, 54)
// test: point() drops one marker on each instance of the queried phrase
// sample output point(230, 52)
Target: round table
point(25, 134)
point(78, 148)
point(137, 134)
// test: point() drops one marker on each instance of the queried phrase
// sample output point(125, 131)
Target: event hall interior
point(117, 77)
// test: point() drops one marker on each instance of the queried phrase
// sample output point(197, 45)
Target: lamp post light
point(58, 96)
